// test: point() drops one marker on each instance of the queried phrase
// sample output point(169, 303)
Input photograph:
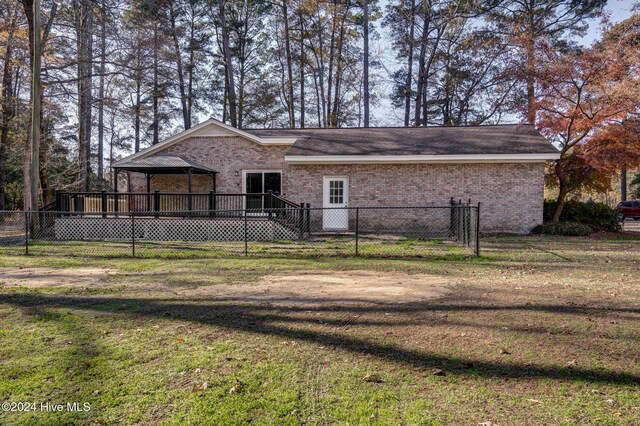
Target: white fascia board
point(409, 159)
point(278, 141)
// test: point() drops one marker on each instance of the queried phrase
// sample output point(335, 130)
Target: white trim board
point(264, 141)
point(411, 159)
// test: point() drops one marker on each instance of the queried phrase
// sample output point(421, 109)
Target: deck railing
point(178, 204)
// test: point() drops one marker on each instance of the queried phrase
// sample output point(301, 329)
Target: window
point(260, 182)
point(336, 192)
point(263, 182)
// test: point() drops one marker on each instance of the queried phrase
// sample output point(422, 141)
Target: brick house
point(501, 166)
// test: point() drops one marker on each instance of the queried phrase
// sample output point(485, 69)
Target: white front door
point(335, 199)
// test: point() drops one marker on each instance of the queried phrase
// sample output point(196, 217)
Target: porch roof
point(163, 164)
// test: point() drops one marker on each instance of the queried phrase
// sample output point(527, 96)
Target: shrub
point(562, 228)
point(598, 216)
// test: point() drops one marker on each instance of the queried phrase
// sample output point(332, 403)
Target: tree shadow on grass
point(265, 319)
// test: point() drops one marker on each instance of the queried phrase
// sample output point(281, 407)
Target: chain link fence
point(355, 231)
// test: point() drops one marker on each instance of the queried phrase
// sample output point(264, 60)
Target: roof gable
point(209, 128)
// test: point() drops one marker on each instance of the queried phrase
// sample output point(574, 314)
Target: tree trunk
point(335, 113)
point(8, 111)
point(531, 91)
point(318, 77)
point(531, 70)
point(332, 58)
point(623, 184)
point(231, 90)
point(365, 16)
point(562, 193)
point(179, 70)
point(84, 44)
point(409, 81)
point(36, 102)
point(190, 67)
point(155, 125)
point(287, 48)
point(302, 67)
point(103, 60)
point(136, 113)
point(422, 66)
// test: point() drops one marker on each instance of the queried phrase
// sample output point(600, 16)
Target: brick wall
point(511, 194)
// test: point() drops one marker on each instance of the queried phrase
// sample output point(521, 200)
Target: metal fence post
point(478, 230)
point(469, 236)
point(246, 238)
point(459, 221)
point(26, 233)
point(133, 236)
point(452, 218)
point(308, 224)
point(357, 227)
point(467, 216)
point(301, 221)
point(464, 224)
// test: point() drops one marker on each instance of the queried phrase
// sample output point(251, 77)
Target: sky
point(619, 10)
point(383, 114)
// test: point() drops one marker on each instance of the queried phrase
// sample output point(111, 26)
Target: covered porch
point(175, 201)
point(164, 165)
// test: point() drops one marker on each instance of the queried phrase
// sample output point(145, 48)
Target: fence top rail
point(265, 210)
point(220, 194)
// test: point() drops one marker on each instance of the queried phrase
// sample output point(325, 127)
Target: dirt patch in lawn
point(319, 287)
point(50, 277)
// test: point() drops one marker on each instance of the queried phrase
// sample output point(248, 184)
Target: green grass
point(147, 348)
point(372, 246)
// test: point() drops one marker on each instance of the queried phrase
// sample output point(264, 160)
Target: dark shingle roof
point(158, 163)
point(464, 140)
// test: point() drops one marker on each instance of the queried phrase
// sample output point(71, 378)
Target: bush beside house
point(579, 218)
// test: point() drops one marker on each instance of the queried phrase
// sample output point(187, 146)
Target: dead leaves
point(372, 378)
point(199, 387)
point(237, 388)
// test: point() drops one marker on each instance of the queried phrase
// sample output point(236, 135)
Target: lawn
point(536, 331)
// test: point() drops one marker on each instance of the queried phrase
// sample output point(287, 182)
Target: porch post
point(115, 191)
point(215, 198)
point(115, 180)
point(148, 176)
point(190, 185)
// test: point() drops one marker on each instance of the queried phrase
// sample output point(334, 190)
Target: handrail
point(48, 207)
point(285, 201)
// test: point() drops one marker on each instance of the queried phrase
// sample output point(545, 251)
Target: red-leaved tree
point(584, 92)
